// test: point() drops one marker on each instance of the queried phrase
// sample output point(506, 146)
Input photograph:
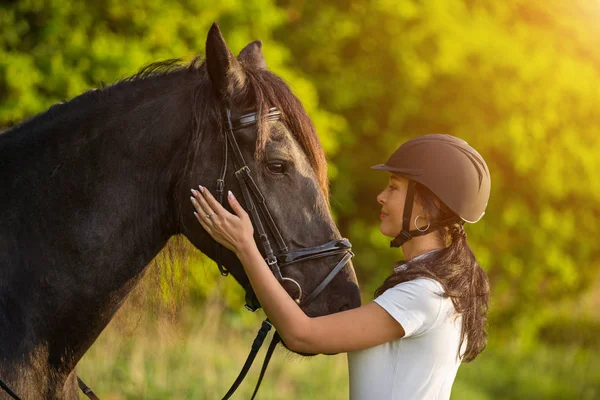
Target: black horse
point(92, 189)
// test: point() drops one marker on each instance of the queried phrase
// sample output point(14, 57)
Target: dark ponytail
point(456, 269)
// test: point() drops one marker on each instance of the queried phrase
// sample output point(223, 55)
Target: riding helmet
point(449, 167)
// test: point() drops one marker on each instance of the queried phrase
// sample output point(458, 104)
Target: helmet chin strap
point(406, 234)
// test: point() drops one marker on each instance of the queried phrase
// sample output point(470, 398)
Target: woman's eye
point(276, 167)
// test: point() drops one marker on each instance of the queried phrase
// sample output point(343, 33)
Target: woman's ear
point(224, 70)
point(423, 218)
point(425, 205)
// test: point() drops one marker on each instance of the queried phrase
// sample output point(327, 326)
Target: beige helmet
point(451, 169)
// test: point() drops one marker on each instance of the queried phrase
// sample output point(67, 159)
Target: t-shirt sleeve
point(414, 304)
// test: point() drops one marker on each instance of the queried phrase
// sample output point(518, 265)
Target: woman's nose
point(380, 199)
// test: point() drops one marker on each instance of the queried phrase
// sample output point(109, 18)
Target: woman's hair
point(456, 269)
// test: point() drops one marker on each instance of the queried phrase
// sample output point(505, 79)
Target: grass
point(544, 372)
point(199, 355)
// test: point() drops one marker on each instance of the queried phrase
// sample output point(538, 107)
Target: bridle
point(256, 206)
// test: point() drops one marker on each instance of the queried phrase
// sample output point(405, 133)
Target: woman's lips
point(382, 215)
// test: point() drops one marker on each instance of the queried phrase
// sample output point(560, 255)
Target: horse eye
point(276, 167)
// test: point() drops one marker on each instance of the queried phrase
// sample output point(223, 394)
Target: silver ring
point(210, 215)
point(299, 288)
point(417, 227)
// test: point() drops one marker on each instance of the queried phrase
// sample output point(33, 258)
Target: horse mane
point(271, 91)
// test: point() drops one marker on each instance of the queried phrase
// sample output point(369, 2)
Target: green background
point(519, 80)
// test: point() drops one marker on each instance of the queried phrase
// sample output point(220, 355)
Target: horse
point(93, 188)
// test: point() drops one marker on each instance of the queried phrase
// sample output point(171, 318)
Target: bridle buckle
point(271, 260)
point(220, 185)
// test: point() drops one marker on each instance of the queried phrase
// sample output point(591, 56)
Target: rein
point(256, 206)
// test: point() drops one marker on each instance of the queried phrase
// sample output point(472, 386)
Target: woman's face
point(392, 201)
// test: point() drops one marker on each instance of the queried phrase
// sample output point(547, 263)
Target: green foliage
point(199, 358)
point(568, 331)
point(547, 373)
point(54, 50)
point(518, 80)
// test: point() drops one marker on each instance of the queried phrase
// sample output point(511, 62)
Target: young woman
point(430, 313)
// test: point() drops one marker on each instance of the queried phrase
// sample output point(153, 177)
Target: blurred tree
point(53, 50)
point(518, 80)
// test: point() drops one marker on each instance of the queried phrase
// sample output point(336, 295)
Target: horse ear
point(252, 55)
point(224, 70)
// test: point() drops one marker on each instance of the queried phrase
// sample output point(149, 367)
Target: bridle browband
point(256, 207)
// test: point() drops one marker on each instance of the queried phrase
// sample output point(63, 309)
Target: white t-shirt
point(422, 364)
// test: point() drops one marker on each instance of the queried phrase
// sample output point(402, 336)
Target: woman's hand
point(233, 231)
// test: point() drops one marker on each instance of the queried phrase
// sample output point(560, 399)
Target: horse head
point(287, 164)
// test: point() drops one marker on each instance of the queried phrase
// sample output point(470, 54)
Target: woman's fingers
point(212, 202)
point(203, 221)
point(195, 203)
point(200, 203)
point(208, 203)
point(236, 206)
point(226, 228)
